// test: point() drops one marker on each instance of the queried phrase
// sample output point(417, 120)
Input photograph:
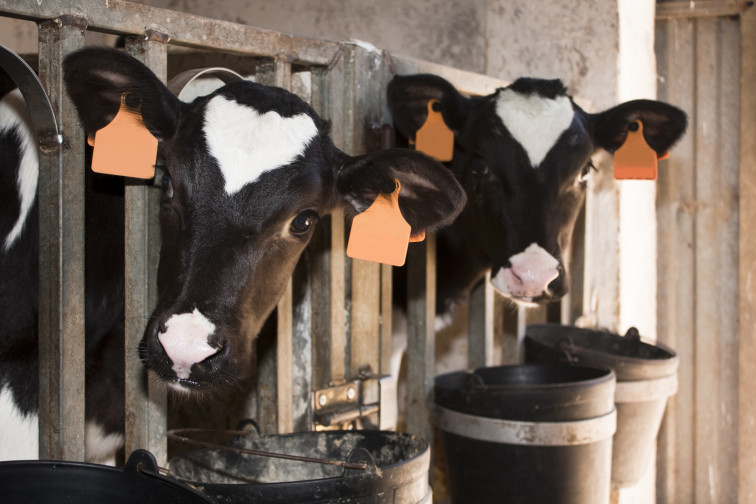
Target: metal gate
point(334, 321)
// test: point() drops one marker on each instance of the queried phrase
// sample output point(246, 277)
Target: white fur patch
point(247, 143)
point(14, 115)
point(530, 274)
point(534, 121)
point(19, 433)
point(185, 341)
point(101, 447)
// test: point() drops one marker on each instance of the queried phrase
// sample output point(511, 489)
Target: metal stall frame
point(334, 321)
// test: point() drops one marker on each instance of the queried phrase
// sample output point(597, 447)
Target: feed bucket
point(394, 469)
point(527, 434)
point(646, 377)
point(44, 481)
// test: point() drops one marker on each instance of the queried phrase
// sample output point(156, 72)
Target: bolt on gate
point(333, 342)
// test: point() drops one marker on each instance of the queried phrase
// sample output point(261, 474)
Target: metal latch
point(368, 402)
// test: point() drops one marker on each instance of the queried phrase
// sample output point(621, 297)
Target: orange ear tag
point(434, 137)
point(635, 159)
point(380, 233)
point(125, 146)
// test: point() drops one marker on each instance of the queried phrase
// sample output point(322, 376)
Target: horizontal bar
point(701, 8)
point(119, 17)
point(465, 81)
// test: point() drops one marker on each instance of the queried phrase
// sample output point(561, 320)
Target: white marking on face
point(14, 115)
point(100, 446)
point(536, 122)
point(247, 143)
point(530, 274)
point(19, 433)
point(185, 341)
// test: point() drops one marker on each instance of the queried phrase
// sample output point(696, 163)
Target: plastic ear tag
point(380, 233)
point(125, 146)
point(635, 159)
point(434, 137)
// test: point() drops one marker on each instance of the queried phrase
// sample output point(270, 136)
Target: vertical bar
point(747, 264)
point(146, 406)
point(364, 115)
point(676, 209)
point(421, 312)
point(61, 257)
point(480, 351)
point(301, 84)
point(275, 375)
point(284, 344)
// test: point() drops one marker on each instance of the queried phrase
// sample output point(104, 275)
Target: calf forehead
point(536, 122)
point(247, 143)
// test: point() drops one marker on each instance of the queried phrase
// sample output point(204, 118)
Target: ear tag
point(635, 159)
point(380, 233)
point(434, 137)
point(125, 146)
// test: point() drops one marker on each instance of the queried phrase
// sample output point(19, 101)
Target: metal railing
point(334, 320)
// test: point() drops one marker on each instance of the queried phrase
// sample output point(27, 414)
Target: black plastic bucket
point(396, 469)
point(646, 377)
point(527, 434)
point(43, 482)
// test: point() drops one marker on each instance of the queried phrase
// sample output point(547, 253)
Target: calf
point(19, 244)
point(523, 155)
point(250, 170)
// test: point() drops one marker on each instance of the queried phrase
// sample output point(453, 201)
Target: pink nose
point(530, 274)
point(185, 341)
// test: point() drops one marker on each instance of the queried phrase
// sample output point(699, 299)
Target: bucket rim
point(607, 376)
point(672, 357)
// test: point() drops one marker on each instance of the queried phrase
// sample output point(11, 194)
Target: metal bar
point(364, 80)
point(301, 84)
point(747, 264)
point(284, 343)
point(480, 352)
point(145, 407)
point(701, 8)
point(61, 258)
point(465, 82)
point(119, 17)
point(421, 312)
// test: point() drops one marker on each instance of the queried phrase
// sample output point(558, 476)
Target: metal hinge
point(365, 403)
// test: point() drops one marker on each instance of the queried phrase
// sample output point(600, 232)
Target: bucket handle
point(177, 435)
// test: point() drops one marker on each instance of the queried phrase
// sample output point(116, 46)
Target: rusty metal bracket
point(341, 406)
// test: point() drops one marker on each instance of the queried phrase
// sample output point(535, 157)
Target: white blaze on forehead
point(247, 143)
point(14, 116)
point(535, 121)
point(185, 341)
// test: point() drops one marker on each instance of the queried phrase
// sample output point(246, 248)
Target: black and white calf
point(523, 155)
point(19, 244)
point(250, 169)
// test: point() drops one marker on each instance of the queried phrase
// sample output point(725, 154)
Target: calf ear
point(408, 98)
point(663, 125)
point(430, 195)
point(96, 78)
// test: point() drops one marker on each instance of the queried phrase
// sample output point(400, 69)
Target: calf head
point(249, 170)
point(523, 155)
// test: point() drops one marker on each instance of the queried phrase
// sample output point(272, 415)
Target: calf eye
point(585, 173)
point(166, 185)
point(303, 222)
